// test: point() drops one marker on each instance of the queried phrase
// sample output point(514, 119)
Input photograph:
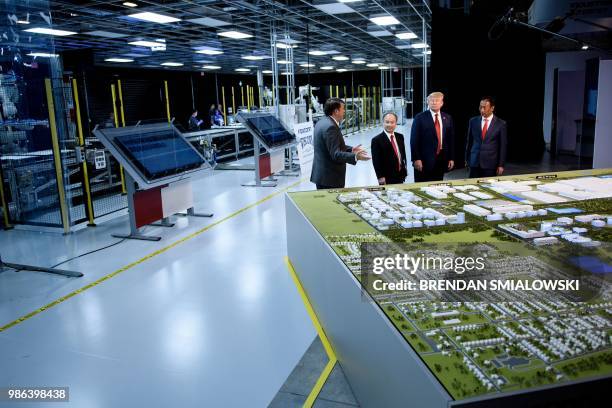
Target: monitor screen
point(270, 130)
point(159, 153)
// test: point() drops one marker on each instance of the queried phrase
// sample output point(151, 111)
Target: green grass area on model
point(510, 365)
point(593, 364)
point(330, 217)
point(452, 372)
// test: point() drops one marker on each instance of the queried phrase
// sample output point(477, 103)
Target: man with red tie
point(485, 153)
point(432, 139)
point(389, 153)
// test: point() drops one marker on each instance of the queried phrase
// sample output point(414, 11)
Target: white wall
point(569, 108)
point(602, 154)
point(565, 61)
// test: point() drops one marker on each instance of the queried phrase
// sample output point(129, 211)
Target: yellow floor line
point(326, 344)
point(143, 259)
point(314, 393)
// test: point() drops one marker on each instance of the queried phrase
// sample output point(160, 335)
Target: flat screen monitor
point(270, 130)
point(159, 153)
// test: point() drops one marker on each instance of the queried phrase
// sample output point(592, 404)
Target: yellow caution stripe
point(143, 259)
point(326, 344)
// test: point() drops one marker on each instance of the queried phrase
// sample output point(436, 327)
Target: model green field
point(489, 346)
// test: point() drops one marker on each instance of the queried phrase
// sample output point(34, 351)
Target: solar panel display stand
point(32, 268)
point(259, 140)
point(134, 174)
point(134, 230)
point(258, 182)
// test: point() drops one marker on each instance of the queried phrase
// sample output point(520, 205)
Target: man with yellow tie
point(487, 140)
point(432, 139)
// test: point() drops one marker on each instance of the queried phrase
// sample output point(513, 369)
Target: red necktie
point(399, 163)
point(439, 134)
point(484, 128)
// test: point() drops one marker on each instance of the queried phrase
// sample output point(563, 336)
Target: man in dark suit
point(485, 153)
point(330, 152)
point(432, 139)
point(389, 153)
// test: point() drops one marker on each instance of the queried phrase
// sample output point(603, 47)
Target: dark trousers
point(436, 173)
point(476, 172)
point(322, 187)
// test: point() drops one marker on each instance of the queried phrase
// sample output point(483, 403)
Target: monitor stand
point(134, 231)
point(23, 267)
point(258, 182)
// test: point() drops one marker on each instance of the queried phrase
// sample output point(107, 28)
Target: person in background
point(109, 122)
point(194, 122)
point(212, 113)
point(432, 141)
point(218, 118)
point(485, 152)
point(330, 152)
point(389, 153)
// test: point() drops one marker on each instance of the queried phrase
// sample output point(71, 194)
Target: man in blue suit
point(432, 139)
point(485, 153)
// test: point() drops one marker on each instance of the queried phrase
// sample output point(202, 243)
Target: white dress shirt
point(482, 121)
point(433, 117)
point(334, 119)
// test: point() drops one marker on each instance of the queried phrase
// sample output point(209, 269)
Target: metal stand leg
point(22, 267)
point(134, 232)
point(291, 171)
point(165, 222)
point(191, 213)
point(258, 181)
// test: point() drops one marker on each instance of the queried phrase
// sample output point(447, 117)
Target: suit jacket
point(489, 153)
point(384, 159)
point(330, 154)
point(194, 123)
point(424, 141)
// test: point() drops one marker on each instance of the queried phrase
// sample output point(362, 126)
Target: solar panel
point(160, 153)
point(270, 130)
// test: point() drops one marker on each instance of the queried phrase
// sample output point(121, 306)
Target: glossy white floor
point(212, 321)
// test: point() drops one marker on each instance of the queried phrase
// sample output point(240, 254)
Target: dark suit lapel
point(490, 128)
point(477, 131)
point(387, 143)
point(401, 146)
point(390, 146)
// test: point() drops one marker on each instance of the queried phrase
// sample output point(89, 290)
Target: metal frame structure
point(104, 27)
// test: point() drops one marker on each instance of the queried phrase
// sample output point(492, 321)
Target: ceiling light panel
point(154, 17)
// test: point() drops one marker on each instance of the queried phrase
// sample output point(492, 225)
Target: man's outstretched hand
point(362, 155)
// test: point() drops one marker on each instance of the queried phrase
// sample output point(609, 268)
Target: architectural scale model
point(554, 225)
